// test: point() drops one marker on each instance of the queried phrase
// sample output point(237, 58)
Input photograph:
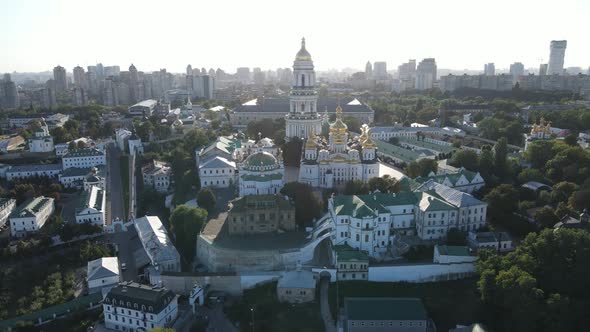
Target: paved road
point(325, 306)
point(114, 188)
point(128, 243)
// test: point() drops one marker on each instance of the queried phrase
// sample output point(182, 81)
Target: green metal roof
point(453, 250)
point(260, 159)
point(452, 177)
point(384, 308)
point(252, 202)
point(431, 203)
point(346, 253)
point(361, 206)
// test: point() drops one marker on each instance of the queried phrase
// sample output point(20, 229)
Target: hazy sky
point(38, 35)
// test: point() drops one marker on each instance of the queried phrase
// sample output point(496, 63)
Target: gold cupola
point(338, 127)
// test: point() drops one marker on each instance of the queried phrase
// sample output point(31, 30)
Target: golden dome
point(365, 139)
point(303, 54)
point(338, 127)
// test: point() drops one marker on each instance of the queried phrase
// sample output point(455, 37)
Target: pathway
point(325, 306)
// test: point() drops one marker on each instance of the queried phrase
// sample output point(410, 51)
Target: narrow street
point(114, 189)
point(325, 305)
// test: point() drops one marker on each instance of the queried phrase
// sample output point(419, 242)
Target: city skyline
point(210, 36)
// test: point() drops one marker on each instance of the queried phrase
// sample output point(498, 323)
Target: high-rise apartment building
point(243, 74)
point(556, 57)
point(543, 69)
point(368, 70)
point(516, 70)
point(380, 70)
point(80, 78)
point(489, 69)
point(407, 70)
point(8, 93)
point(61, 81)
point(425, 74)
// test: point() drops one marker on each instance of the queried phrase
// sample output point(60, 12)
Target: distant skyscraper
point(516, 70)
point(189, 70)
point(543, 69)
point(407, 70)
point(80, 97)
point(380, 70)
point(8, 93)
point(80, 78)
point(61, 81)
point(368, 70)
point(134, 91)
point(489, 69)
point(425, 74)
point(556, 57)
point(243, 74)
point(258, 76)
point(111, 71)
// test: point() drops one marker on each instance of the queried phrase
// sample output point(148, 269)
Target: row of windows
point(408, 324)
point(229, 171)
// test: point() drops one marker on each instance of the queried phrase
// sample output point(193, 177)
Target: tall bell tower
point(303, 113)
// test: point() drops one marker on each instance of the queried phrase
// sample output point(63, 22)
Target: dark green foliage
point(307, 206)
point(542, 286)
point(384, 184)
point(355, 187)
point(456, 237)
point(185, 224)
point(206, 199)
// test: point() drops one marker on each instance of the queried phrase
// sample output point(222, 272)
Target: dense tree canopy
point(185, 224)
point(542, 286)
point(307, 206)
point(206, 199)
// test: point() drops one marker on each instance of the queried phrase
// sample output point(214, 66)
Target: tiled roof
point(84, 152)
point(103, 267)
point(217, 162)
point(31, 207)
point(155, 240)
point(156, 298)
point(450, 195)
point(34, 168)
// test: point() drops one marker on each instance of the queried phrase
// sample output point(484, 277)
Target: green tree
point(538, 287)
point(538, 153)
point(467, 159)
point(307, 206)
point(206, 199)
point(185, 224)
point(292, 152)
point(562, 191)
point(456, 237)
point(546, 217)
point(500, 153)
point(384, 184)
point(530, 174)
point(413, 170)
point(486, 162)
point(355, 187)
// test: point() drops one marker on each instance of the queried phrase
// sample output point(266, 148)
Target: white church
point(326, 161)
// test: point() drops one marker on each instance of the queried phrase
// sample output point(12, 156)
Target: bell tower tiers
point(303, 114)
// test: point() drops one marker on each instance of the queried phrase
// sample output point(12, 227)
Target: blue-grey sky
point(36, 35)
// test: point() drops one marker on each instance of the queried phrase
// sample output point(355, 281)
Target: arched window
point(302, 81)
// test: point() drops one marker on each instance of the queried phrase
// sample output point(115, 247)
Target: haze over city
point(38, 35)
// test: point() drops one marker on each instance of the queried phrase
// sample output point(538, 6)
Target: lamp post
point(252, 318)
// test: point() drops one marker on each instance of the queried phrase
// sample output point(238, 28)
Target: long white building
point(84, 158)
point(157, 175)
point(373, 223)
point(157, 244)
point(30, 216)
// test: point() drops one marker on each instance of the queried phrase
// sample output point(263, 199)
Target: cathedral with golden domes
point(339, 158)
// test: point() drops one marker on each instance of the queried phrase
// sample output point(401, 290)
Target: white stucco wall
point(420, 272)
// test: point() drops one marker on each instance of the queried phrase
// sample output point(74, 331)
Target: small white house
point(103, 273)
point(92, 207)
point(495, 241)
point(296, 287)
